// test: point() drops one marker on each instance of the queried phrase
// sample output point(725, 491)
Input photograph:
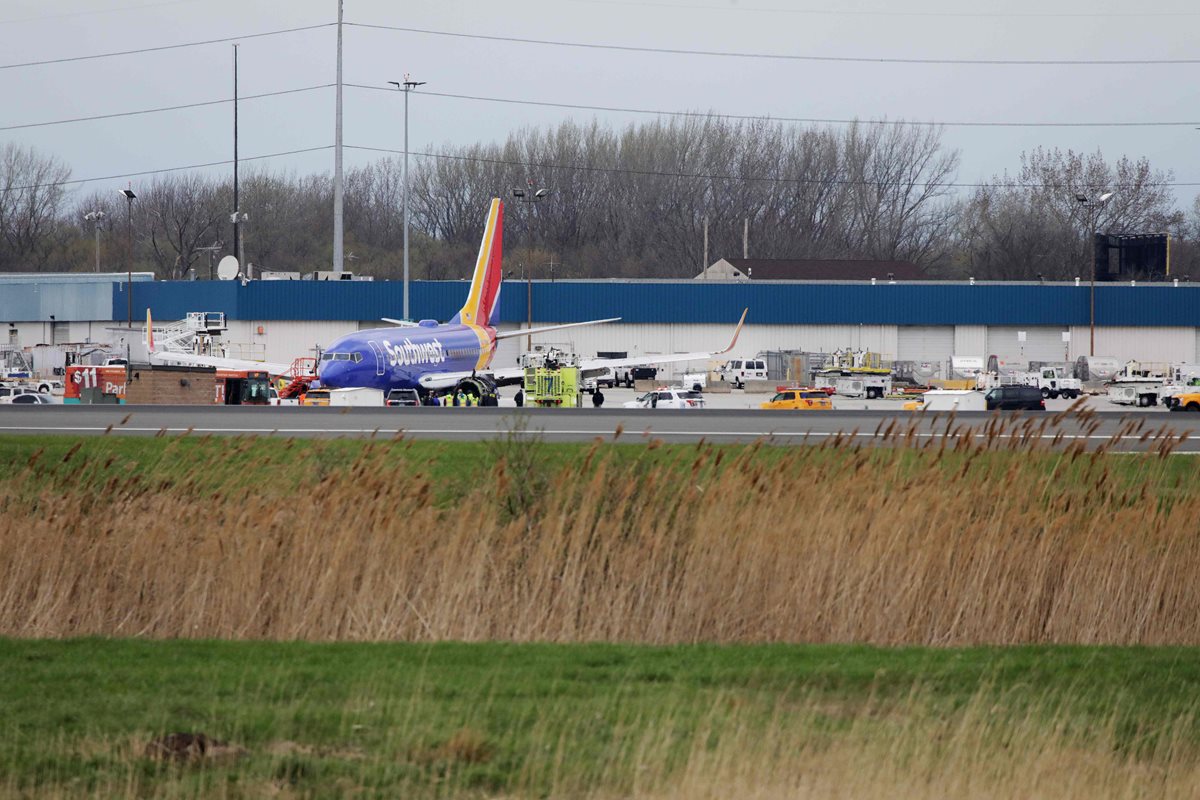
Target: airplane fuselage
point(397, 358)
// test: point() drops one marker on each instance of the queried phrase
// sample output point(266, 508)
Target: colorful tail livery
point(483, 302)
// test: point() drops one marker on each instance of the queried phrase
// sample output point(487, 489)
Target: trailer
point(356, 397)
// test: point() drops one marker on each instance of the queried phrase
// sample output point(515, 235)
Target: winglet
point(736, 333)
point(149, 333)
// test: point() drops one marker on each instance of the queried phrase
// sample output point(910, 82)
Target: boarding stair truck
point(1142, 384)
point(551, 379)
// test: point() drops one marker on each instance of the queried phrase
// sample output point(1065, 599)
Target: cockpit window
point(355, 357)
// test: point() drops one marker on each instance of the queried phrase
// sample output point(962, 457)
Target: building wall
point(171, 386)
point(1170, 345)
point(970, 340)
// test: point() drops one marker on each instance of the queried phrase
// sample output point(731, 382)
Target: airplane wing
point(403, 323)
point(545, 328)
point(190, 360)
point(587, 366)
point(595, 366)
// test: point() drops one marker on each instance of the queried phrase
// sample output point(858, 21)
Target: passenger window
point(664, 395)
point(735, 365)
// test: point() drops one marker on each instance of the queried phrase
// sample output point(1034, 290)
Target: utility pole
point(746, 238)
point(129, 198)
point(530, 196)
point(235, 217)
point(96, 217)
point(338, 230)
point(704, 266)
point(407, 86)
point(1091, 208)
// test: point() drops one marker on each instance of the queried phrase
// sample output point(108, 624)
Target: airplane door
point(378, 357)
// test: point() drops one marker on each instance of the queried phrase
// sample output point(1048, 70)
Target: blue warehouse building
point(918, 321)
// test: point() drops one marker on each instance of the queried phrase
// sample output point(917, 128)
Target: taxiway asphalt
point(1123, 430)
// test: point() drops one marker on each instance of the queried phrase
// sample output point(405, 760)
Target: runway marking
point(542, 432)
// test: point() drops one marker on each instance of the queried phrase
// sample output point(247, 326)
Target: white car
point(8, 393)
point(668, 398)
point(29, 399)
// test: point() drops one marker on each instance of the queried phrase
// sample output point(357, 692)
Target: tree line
point(632, 202)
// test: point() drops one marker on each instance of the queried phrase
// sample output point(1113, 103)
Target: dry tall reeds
point(970, 539)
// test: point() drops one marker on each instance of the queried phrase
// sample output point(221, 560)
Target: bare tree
point(31, 206)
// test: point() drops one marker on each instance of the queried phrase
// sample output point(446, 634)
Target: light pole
point(407, 86)
point(1090, 207)
point(96, 217)
point(129, 198)
point(529, 196)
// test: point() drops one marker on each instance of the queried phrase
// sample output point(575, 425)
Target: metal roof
point(694, 301)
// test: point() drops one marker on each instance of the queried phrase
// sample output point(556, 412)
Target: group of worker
point(459, 398)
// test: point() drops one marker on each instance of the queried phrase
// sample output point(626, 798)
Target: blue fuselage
point(397, 358)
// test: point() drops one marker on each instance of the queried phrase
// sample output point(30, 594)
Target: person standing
point(597, 398)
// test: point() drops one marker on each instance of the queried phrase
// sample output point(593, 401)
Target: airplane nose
point(329, 374)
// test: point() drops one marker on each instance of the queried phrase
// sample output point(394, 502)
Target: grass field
point(413, 541)
point(601, 720)
point(424, 619)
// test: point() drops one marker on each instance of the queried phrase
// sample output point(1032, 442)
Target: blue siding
point(684, 302)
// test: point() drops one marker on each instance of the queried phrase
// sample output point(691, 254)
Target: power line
point(837, 12)
point(165, 170)
point(164, 47)
point(162, 108)
point(716, 177)
point(768, 118)
point(96, 12)
point(788, 57)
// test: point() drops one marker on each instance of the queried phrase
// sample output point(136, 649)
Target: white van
point(738, 371)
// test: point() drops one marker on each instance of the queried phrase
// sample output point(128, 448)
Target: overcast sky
point(36, 30)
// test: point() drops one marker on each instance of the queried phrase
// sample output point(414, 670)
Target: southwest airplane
point(430, 356)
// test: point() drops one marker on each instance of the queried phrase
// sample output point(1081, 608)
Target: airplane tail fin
point(483, 301)
point(149, 333)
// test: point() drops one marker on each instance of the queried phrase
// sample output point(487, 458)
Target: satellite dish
point(227, 268)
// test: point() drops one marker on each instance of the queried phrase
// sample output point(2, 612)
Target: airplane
point(430, 356)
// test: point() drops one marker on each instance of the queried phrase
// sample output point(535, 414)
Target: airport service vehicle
point(737, 371)
point(240, 387)
point(1015, 398)
point(551, 380)
point(403, 397)
point(1053, 383)
point(696, 381)
point(315, 397)
point(949, 400)
point(799, 399)
point(357, 396)
point(1184, 401)
point(35, 399)
point(434, 356)
point(277, 400)
point(855, 373)
point(668, 397)
point(1050, 381)
point(1141, 384)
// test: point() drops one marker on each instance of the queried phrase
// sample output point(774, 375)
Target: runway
point(1121, 430)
